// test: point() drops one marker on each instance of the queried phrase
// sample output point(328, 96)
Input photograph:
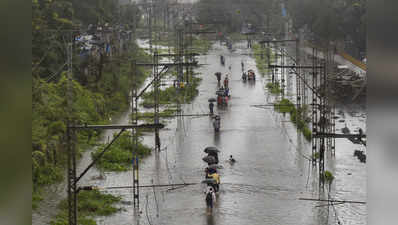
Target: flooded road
point(272, 169)
point(263, 187)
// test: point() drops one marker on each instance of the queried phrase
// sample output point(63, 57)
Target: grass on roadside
point(119, 156)
point(148, 117)
point(90, 204)
point(274, 88)
point(296, 116)
point(172, 95)
point(260, 56)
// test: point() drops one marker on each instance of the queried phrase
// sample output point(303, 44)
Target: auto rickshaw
point(251, 75)
point(222, 99)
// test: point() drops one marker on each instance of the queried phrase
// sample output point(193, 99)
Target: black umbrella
point(211, 149)
point(212, 100)
point(209, 159)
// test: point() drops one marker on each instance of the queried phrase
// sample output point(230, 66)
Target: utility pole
point(134, 113)
point(71, 168)
point(149, 19)
point(156, 85)
point(179, 61)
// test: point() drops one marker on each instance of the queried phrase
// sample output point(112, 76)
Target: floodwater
point(262, 187)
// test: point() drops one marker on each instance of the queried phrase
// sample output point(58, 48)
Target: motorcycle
point(251, 75)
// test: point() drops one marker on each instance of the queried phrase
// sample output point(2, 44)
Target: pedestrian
point(216, 177)
point(226, 80)
point(226, 91)
point(218, 75)
point(211, 106)
point(210, 199)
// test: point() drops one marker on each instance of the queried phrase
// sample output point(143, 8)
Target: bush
point(262, 62)
point(274, 88)
point(315, 156)
point(120, 154)
point(172, 95)
point(91, 203)
point(307, 133)
point(36, 198)
point(286, 106)
point(328, 176)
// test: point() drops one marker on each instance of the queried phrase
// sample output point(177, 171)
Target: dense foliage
point(231, 15)
point(100, 82)
point(341, 21)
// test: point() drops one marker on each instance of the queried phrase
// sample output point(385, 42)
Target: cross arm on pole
point(195, 63)
point(295, 67)
point(170, 116)
point(276, 41)
point(117, 126)
point(167, 55)
point(331, 135)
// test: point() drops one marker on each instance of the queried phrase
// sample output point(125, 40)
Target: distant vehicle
point(222, 98)
point(251, 75)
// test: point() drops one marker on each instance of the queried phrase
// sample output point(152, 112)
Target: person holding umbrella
point(226, 81)
point(211, 106)
point(212, 151)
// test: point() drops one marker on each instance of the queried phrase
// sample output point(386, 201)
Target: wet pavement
point(262, 187)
